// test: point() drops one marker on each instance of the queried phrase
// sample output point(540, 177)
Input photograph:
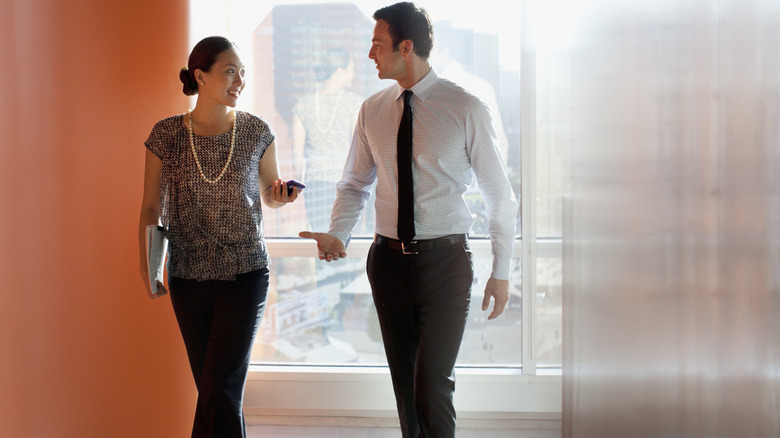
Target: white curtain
point(672, 230)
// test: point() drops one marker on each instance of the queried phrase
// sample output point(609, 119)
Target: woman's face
point(225, 81)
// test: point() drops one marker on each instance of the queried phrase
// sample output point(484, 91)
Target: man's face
point(389, 62)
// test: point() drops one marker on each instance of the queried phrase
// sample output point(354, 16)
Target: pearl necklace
point(230, 154)
point(332, 116)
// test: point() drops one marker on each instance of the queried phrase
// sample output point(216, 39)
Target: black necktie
point(405, 186)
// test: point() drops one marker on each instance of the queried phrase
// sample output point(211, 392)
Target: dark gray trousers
point(422, 302)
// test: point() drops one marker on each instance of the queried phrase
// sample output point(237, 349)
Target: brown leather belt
point(418, 246)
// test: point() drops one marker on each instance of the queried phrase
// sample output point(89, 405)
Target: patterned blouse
point(215, 231)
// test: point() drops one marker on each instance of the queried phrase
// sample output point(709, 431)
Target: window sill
point(367, 392)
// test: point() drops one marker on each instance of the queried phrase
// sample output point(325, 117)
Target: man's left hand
point(499, 290)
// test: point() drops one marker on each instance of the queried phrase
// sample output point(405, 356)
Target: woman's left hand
point(279, 193)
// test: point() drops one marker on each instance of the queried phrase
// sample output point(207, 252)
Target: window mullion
point(528, 197)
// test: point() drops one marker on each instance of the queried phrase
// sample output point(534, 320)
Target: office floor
point(310, 431)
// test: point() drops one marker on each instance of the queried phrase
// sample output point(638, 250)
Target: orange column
point(83, 351)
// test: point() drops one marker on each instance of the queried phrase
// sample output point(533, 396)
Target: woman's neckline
point(184, 126)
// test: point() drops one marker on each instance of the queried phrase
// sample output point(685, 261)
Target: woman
point(206, 171)
point(322, 132)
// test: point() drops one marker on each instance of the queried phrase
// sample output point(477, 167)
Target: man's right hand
point(329, 248)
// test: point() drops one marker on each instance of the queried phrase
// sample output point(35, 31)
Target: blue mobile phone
point(293, 183)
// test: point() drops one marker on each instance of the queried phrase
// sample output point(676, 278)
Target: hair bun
point(190, 87)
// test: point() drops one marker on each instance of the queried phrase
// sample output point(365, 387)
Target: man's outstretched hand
point(329, 248)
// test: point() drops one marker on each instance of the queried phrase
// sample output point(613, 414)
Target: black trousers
point(422, 302)
point(218, 321)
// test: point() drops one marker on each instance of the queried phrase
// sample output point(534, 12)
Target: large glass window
point(323, 314)
point(308, 71)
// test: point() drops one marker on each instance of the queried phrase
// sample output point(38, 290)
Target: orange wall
point(83, 351)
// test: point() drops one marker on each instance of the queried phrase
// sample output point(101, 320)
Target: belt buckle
point(406, 251)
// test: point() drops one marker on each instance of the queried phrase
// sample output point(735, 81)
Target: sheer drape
point(672, 231)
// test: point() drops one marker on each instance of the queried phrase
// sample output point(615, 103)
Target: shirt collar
point(423, 87)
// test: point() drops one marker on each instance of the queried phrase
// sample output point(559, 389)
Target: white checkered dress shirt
point(452, 134)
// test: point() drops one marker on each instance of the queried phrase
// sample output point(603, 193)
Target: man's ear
point(406, 47)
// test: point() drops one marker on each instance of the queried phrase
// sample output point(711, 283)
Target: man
point(420, 268)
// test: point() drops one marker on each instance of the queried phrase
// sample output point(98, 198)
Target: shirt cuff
point(501, 268)
point(343, 237)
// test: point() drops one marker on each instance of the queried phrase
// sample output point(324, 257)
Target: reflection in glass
point(323, 123)
point(308, 58)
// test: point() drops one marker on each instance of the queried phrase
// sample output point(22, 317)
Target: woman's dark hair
point(333, 60)
point(203, 56)
point(408, 22)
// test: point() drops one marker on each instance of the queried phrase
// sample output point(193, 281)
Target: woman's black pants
point(218, 322)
